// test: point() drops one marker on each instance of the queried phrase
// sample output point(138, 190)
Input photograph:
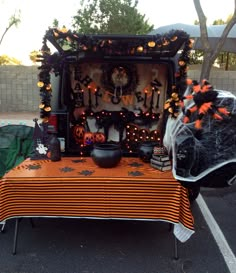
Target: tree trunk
point(227, 62)
point(211, 54)
point(206, 66)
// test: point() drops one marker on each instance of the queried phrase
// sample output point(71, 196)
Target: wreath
point(119, 79)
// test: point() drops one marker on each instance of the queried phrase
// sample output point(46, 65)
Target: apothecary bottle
point(55, 149)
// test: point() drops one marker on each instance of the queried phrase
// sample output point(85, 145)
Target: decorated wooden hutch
point(131, 89)
point(110, 88)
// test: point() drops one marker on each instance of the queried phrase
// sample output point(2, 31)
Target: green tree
point(110, 16)
point(210, 54)
point(6, 60)
point(218, 22)
point(14, 20)
point(34, 55)
point(55, 23)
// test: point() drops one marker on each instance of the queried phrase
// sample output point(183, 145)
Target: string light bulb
point(140, 48)
point(151, 44)
point(40, 84)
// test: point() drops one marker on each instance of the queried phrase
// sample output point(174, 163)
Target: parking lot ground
point(222, 205)
point(18, 118)
point(107, 246)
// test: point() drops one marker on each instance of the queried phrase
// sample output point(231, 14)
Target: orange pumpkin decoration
point(99, 137)
point(78, 134)
point(88, 138)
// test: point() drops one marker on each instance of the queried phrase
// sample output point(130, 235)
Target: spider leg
point(205, 107)
point(181, 102)
point(223, 111)
point(198, 122)
point(217, 116)
point(188, 113)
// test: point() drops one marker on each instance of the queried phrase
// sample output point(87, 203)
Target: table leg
point(32, 223)
point(176, 252)
point(176, 256)
point(3, 227)
point(15, 236)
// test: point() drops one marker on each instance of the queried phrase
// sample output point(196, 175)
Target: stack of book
point(161, 162)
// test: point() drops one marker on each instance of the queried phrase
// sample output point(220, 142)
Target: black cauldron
point(106, 155)
point(145, 150)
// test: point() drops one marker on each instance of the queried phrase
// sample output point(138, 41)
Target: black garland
point(109, 45)
point(173, 103)
point(49, 63)
point(105, 119)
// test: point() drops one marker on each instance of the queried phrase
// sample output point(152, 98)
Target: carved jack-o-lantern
point(99, 137)
point(88, 138)
point(78, 134)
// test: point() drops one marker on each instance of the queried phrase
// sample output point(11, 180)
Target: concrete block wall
point(18, 88)
point(19, 91)
point(222, 80)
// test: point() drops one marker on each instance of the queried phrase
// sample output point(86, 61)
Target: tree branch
point(203, 27)
point(14, 20)
point(225, 33)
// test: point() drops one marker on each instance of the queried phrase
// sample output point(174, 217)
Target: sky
point(38, 15)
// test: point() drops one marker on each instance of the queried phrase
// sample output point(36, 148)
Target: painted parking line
point(218, 235)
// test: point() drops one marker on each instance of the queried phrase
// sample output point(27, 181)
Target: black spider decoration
point(204, 98)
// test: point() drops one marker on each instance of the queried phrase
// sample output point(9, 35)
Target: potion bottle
point(54, 146)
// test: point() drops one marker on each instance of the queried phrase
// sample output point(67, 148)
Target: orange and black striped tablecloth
point(76, 187)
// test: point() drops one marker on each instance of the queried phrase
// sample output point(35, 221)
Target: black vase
point(55, 148)
point(145, 150)
point(106, 155)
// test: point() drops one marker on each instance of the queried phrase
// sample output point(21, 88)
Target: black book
point(161, 168)
point(160, 157)
point(161, 163)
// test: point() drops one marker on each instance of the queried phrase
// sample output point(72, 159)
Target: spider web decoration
point(204, 97)
point(205, 156)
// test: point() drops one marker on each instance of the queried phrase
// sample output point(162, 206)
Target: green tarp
point(16, 142)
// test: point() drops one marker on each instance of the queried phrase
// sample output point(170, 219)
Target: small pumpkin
point(88, 138)
point(78, 134)
point(99, 137)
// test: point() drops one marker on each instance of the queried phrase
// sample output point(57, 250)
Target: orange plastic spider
point(204, 97)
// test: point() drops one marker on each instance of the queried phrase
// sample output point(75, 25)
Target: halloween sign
point(120, 84)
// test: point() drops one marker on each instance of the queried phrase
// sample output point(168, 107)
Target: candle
point(151, 101)
point(90, 99)
point(97, 95)
point(145, 98)
point(158, 98)
point(82, 97)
